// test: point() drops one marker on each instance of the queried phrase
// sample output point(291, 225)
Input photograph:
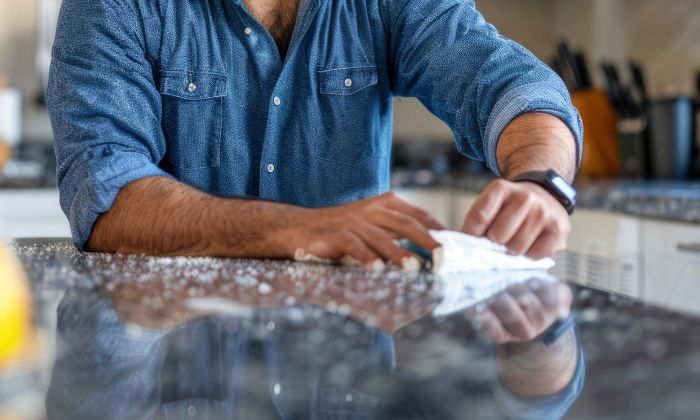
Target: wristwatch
point(554, 184)
point(558, 329)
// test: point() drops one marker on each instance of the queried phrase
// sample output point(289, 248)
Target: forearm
point(534, 370)
point(161, 216)
point(537, 142)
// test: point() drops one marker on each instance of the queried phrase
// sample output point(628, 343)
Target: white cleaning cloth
point(461, 291)
point(464, 253)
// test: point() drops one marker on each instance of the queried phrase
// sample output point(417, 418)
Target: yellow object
point(5, 153)
point(14, 307)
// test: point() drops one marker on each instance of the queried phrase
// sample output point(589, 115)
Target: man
point(262, 128)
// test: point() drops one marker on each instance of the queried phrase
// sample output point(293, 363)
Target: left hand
point(523, 216)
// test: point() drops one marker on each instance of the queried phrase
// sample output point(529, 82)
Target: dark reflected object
point(620, 95)
point(584, 72)
point(634, 147)
point(568, 66)
point(639, 82)
point(671, 138)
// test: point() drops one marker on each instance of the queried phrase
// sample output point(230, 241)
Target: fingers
point(383, 244)
point(522, 313)
point(404, 225)
point(548, 243)
point(522, 216)
point(350, 245)
point(485, 208)
point(555, 298)
point(528, 232)
point(492, 328)
point(509, 220)
point(512, 317)
point(536, 313)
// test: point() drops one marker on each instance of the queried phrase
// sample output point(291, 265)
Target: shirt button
point(348, 82)
point(191, 87)
point(270, 168)
point(248, 31)
point(277, 101)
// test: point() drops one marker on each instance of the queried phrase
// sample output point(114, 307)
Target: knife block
point(601, 155)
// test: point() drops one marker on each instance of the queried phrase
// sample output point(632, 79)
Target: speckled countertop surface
point(276, 339)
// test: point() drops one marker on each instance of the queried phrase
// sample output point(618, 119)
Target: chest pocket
point(192, 117)
point(349, 103)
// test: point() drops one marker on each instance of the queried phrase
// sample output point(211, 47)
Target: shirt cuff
point(549, 407)
point(107, 171)
point(527, 99)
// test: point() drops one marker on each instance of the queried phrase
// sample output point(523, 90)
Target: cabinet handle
point(689, 247)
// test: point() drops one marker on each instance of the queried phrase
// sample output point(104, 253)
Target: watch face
point(564, 187)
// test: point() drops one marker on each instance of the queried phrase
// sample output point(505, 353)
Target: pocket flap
point(192, 85)
point(347, 81)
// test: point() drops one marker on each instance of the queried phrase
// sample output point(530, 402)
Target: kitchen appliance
point(633, 143)
point(671, 138)
point(632, 128)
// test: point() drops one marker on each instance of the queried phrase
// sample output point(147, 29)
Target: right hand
point(363, 231)
point(523, 311)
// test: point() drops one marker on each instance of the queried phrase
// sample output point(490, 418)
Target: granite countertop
point(133, 336)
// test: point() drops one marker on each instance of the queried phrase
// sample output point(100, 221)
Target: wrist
point(286, 230)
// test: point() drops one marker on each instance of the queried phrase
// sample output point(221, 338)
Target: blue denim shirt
point(197, 90)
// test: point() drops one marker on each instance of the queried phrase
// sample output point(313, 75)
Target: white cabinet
point(32, 213)
point(437, 201)
point(448, 206)
point(672, 265)
point(461, 203)
point(604, 251)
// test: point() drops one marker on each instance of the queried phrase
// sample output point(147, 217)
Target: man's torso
point(239, 120)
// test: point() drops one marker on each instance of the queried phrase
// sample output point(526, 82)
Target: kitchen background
point(639, 209)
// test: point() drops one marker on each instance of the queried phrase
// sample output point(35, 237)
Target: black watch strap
point(557, 330)
point(555, 184)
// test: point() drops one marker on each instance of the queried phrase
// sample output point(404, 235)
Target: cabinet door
point(32, 213)
point(672, 265)
point(604, 251)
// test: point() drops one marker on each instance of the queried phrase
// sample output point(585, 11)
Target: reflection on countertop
point(270, 339)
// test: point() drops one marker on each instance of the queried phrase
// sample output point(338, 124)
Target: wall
point(17, 40)
point(530, 22)
point(671, 52)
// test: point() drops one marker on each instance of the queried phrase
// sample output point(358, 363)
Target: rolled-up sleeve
point(445, 54)
point(105, 108)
